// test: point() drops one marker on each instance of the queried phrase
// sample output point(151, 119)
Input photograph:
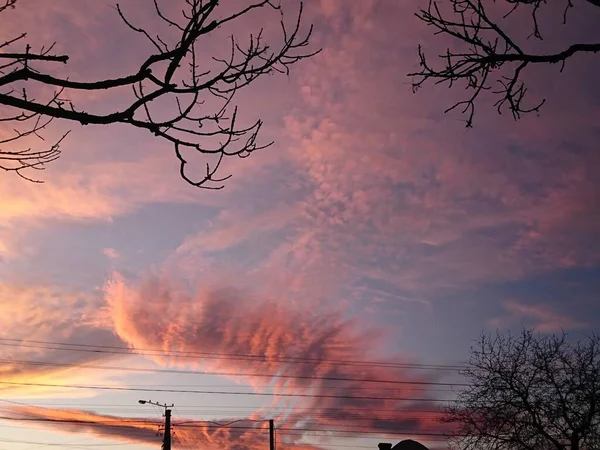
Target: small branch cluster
point(491, 61)
point(173, 73)
point(22, 160)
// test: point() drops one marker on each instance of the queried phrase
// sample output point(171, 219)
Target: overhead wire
point(246, 374)
point(62, 444)
point(354, 432)
point(329, 413)
point(367, 417)
point(206, 355)
point(232, 410)
point(216, 407)
point(218, 355)
point(267, 386)
point(127, 428)
point(189, 391)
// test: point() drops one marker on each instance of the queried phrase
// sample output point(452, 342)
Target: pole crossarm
point(167, 436)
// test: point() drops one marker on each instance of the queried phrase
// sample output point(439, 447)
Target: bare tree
point(529, 392)
point(174, 72)
point(485, 55)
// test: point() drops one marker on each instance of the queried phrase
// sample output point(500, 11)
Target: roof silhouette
point(409, 444)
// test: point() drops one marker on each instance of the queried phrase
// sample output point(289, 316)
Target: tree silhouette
point(174, 72)
point(486, 56)
point(529, 392)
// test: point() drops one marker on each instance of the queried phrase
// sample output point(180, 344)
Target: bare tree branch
point(172, 73)
point(529, 392)
point(492, 60)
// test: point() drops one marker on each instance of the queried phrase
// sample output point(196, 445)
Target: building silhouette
point(407, 444)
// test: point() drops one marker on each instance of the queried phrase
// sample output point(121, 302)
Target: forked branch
point(174, 73)
point(489, 59)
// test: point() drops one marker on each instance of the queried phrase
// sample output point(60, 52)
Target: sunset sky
point(371, 244)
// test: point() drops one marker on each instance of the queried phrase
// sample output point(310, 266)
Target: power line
point(359, 431)
point(187, 391)
point(239, 407)
point(216, 409)
point(333, 416)
point(75, 444)
point(218, 355)
point(219, 373)
point(62, 444)
point(267, 386)
point(117, 422)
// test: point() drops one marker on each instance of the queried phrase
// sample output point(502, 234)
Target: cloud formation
point(361, 164)
point(48, 314)
point(388, 201)
point(370, 204)
point(257, 337)
point(543, 317)
point(242, 435)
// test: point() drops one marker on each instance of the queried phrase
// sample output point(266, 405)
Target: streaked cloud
point(246, 435)
point(308, 344)
point(48, 314)
point(370, 211)
point(543, 317)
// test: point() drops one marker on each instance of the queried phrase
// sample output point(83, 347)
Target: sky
point(337, 280)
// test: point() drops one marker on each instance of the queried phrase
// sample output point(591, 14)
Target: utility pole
point(167, 436)
point(271, 434)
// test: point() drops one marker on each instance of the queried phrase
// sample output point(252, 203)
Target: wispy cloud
point(543, 317)
point(111, 253)
point(48, 314)
point(395, 196)
point(369, 203)
point(242, 435)
point(306, 345)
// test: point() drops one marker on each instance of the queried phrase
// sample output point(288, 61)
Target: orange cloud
point(104, 171)
point(304, 344)
point(47, 313)
point(246, 435)
point(94, 191)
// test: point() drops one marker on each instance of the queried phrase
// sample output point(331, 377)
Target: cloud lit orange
point(376, 228)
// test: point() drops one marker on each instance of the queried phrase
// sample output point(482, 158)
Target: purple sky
point(376, 227)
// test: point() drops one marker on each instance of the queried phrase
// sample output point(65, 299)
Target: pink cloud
point(397, 203)
point(377, 163)
point(223, 320)
point(433, 205)
point(365, 183)
point(231, 229)
point(247, 435)
point(544, 318)
point(48, 314)
point(111, 253)
point(108, 171)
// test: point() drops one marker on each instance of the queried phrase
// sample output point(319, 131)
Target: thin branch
point(34, 57)
point(489, 51)
point(170, 73)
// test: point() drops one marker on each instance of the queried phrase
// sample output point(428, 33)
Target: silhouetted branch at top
point(529, 392)
point(490, 58)
point(174, 71)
